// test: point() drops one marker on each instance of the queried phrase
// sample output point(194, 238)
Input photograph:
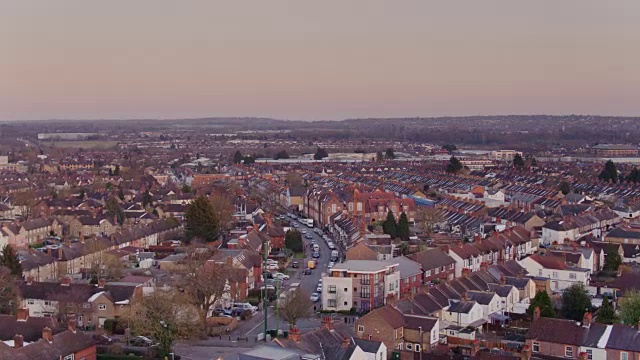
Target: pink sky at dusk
point(311, 60)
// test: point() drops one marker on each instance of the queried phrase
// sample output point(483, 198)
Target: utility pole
point(264, 284)
point(277, 307)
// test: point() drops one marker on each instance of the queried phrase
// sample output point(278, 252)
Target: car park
point(314, 297)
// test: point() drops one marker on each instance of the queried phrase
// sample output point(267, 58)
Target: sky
point(317, 60)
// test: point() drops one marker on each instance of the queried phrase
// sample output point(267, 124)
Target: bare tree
point(25, 201)
point(428, 218)
point(294, 306)
point(8, 292)
point(204, 282)
point(294, 179)
point(164, 315)
point(71, 302)
point(223, 207)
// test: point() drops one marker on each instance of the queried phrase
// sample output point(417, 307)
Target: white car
point(304, 231)
point(280, 275)
point(331, 264)
point(272, 266)
point(314, 297)
point(331, 245)
point(319, 288)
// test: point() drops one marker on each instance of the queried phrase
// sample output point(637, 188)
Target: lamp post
point(421, 341)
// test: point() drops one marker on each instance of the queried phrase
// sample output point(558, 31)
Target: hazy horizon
point(334, 60)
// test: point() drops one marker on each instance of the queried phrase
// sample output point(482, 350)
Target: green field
point(89, 144)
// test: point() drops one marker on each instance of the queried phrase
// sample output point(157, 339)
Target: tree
point(518, 161)
point(204, 282)
point(163, 316)
point(320, 154)
point(564, 187)
point(389, 226)
point(633, 176)
point(428, 218)
point(201, 221)
point(403, 227)
point(449, 147)
point(454, 166)
point(282, 154)
point(120, 193)
point(114, 210)
point(294, 179)
point(249, 159)
point(606, 314)
point(25, 201)
point(8, 291)
point(389, 155)
point(294, 306)
point(237, 157)
point(613, 260)
point(223, 208)
point(147, 199)
point(293, 241)
point(9, 259)
point(542, 301)
point(379, 157)
point(70, 302)
point(533, 162)
point(186, 188)
point(630, 307)
point(575, 302)
point(116, 172)
point(609, 173)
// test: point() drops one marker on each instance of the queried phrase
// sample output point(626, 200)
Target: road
point(308, 285)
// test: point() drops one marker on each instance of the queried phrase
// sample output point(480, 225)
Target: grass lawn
point(298, 255)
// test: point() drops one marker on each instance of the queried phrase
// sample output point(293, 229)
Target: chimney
point(18, 341)
point(29, 280)
point(484, 265)
point(503, 281)
point(71, 325)
point(346, 341)
point(586, 319)
point(466, 272)
point(475, 347)
point(101, 283)
point(255, 227)
point(583, 356)
point(229, 261)
point(249, 229)
point(536, 313)
point(65, 281)
point(464, 296)
point(80, 237)
point(526, 353)
point(327, 323)
point(477, 238)
point(22, 314)
point(294, 334)
point(47, 334)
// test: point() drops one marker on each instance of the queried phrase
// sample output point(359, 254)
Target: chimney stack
point(583, 356)
point(22, 314)
point(475, 347)
point(503, 281)
point(71, 325)
point(65, 281)
point(536, 313)
point(47, 334)
point(327, 322)
point(18, 341)
point(526, 353)
point(346, 341)
point(101, 283)
point(294, 334)
point(586, 319)
point(29, 280)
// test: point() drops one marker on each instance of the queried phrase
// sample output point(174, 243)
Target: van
point(311, 264)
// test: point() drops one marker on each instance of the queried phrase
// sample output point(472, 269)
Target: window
point(102, 307)
point(350, 207)
point(536, 346)
point(332, 289)
point(366, 292)
point(624, 355)
point(331, 303)
point(346, 303)
point(47, 303)
point(359, 206)
point(360, 328)
point(30, 302)
point(390, 286)
point(409, 346)
point(568, 351)
point(554, 274)
point(539, 272)
point(572, 276)
point(589, 354)
point(437, 270)
point(427, 273)
point(417, 347)
point(68, 357)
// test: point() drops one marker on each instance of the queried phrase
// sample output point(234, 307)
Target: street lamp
point(421, 341)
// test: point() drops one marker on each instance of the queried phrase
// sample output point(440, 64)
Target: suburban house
point(410, 275)
point(561, 274)
point(360, 284)
point(90, 226)
point(436, 264)
point(574, 227)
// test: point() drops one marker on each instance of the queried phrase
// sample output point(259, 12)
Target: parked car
point(307, 271)
point(102, 339)
point(141, 341)
point(316, 255)
point(244, 306)
point(308, 236)
point(331, 264)
point(331, 246)
point(304, 231)
point(272, 267)
point(295, 265)
point(314, 297)
point(319, 288)
point(280, 275)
